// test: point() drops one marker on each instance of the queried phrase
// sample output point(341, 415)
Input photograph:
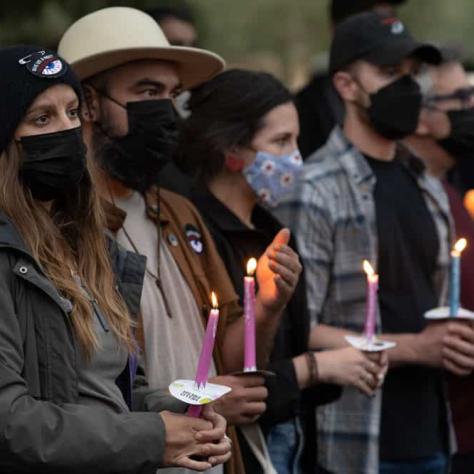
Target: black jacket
point(42, 428)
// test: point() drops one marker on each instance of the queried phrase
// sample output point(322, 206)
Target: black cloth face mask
point(460, 145)
point(137, 158)
point(394, 110)
point(460, 142)
point(53, 163)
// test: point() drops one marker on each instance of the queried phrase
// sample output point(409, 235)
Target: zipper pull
point(102, 320)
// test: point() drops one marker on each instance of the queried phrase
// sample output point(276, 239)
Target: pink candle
point(205, 358)
point(250, 362)
point(372, 287)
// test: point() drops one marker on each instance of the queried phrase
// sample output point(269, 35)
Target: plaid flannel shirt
point(332, 214)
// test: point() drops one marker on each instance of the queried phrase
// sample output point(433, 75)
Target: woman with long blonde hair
point(65, 330)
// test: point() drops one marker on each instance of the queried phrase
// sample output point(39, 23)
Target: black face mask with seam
point(137, 158)
point(395, 109)
point(53, 164)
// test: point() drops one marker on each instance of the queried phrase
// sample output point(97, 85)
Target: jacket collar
point(10, 237)
point(115, 217)
point(224, 219)
point(12, 240)
point(356, 166)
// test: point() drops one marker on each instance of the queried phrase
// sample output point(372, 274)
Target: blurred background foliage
point(286, 37)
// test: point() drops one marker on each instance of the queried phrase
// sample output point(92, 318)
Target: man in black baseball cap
point(319, 106)
point(373, 60)
point(363, 197)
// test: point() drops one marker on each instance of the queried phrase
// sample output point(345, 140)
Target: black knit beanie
point(25, 72)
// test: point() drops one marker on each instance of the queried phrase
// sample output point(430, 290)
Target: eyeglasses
point(463, 96)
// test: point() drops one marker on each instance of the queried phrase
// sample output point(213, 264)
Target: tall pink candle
point(205, 358)
point(372, 287)
point(250, 361)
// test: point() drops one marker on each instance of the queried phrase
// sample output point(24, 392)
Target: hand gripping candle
point(205, 358)
point(250, 361)
point(455, 277)
point(372, 287)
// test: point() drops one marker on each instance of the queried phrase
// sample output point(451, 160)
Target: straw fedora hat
point(113, 36)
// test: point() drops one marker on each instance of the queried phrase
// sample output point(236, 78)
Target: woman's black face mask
point(137, 158)
point(53, 164)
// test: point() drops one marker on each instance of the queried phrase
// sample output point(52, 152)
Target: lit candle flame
point(460, 245)
point(251, 266)
point(469, 202)
point(369, 270)
point(214, 300)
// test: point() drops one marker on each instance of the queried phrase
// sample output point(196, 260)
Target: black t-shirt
point(413, 414)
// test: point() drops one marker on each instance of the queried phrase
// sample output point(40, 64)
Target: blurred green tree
point(287, 34)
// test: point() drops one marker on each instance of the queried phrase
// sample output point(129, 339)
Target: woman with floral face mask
point(240, 143)
point(65, 332)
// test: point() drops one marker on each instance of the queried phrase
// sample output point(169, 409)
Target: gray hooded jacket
point(42, 427)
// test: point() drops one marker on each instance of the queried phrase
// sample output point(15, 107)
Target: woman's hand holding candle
point(277, 275)
point(246, 402)
point(278, 272)
point(196, 444)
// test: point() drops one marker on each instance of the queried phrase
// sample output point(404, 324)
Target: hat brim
point(195, 66)
point(395, 52)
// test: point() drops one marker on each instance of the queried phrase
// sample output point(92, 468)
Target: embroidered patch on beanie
point(44, 64)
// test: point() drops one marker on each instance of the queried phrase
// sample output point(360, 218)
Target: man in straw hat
point(130, 74)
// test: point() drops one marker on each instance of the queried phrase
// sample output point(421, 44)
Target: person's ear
point(91, 109)
point(233, 162)
point(345, 85)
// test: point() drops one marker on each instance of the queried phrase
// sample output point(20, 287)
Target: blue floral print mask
point(271, 177)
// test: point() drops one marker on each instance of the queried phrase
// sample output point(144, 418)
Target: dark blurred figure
point(177, 23)
point(319, 106)
point(447, 148)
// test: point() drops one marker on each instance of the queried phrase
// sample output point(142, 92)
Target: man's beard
point(133, 167)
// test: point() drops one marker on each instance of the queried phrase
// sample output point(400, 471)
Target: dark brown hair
point(226, 112)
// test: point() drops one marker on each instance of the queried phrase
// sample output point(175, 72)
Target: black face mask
point(53, 163)
point(460, 142)
point(394, 110)
point(137, 159)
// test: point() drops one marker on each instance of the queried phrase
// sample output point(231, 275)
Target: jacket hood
point(9, 235)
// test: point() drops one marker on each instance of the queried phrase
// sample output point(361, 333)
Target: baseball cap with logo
point(378, 39)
